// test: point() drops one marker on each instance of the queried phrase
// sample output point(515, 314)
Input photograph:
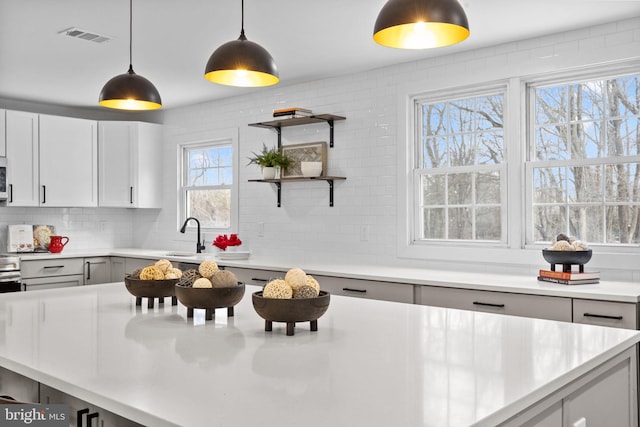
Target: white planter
point(268, 173)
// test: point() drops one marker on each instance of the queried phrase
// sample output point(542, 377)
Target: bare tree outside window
point(461, 169)
point(208, 178)
point(586, 147)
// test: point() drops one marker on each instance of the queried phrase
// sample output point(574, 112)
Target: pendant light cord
point(130, 36)
point(242, 19)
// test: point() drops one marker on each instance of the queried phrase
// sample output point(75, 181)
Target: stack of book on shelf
point(569, 277)
point(292, 112)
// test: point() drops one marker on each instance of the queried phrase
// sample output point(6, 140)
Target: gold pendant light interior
point(421, 24)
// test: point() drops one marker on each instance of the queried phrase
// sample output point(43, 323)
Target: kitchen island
point(371, 363)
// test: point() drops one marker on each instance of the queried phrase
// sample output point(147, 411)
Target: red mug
point(56, 244)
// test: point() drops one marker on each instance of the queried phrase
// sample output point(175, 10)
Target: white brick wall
point(365, 148)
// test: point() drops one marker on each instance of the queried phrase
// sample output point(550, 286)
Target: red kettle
point(57, 244)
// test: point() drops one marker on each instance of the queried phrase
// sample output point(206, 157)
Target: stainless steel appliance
point(10, 277)
point(4, 191)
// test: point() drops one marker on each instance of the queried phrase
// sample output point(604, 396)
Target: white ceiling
point(172, 40)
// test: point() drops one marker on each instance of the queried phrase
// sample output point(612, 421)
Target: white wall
point(366, 148)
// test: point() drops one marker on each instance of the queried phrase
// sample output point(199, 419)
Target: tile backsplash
point(87, 228)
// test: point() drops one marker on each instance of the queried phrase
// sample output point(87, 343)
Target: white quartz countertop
point(371, 363)
point(605, 290)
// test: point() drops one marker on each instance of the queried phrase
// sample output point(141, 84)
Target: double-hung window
point(584, 153)
point(460, 169)
point(209, 188)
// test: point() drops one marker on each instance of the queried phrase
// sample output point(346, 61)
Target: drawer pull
point(90, 418)
point(80, 416)
point(53, 266)
point(362, 291)
point(602, 316)
point(255, 279)
point(488, 304)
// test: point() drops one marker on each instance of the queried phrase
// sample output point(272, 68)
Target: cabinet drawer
point(51, 267)
point(132, 264)
point(53, 282)
point(537, 306)
point(606, 313)
point(250, 276)
point(386, 291)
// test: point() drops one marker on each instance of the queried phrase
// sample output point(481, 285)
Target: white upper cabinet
point(130, 156)
point(68, 162)
point(3, 140)
point(22, 158)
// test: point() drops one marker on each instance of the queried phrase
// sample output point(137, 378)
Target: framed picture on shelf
point(307, 152)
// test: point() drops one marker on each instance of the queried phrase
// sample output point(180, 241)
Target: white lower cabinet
point(606, 396)
point(399, 292)
point(250, 276)
point(97, 270)
point(82, 413)
point(538, 306)
point(387, 291)
point(117, 269)
point(606, 313)
point(51, 273)
point(132, 264)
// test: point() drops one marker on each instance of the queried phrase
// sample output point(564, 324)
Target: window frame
point(225, 138)
point(530, 164)
point(416, 172)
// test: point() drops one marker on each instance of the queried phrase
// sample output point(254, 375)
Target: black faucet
point(199, 246)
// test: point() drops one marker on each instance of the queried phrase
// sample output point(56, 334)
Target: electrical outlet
point(261, 229)
point(364, 233)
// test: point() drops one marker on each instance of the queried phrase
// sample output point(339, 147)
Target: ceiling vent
point(84, 35)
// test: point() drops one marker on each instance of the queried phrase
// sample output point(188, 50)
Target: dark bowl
point(291, 310)
point(566, 257)
point(151, 288)
point(205, 298)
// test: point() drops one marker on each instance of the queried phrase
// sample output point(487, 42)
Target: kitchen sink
point(180, 254)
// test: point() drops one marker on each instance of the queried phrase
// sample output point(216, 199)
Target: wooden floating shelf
point(280, 123)
point(278, 182)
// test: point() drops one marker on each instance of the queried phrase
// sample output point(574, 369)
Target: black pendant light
point(130, 91)
point(421, 24)
point(241, 63)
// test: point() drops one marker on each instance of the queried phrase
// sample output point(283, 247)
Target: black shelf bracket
point(279, 187)
point(279, 131)
point(330, 181)
point(330, 133)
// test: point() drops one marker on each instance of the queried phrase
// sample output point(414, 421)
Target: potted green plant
point(271, 160)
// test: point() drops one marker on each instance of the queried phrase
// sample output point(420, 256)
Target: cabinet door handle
point(10, 193)
point(131, 195)
point(602, 316)
point(44, 194)
point(80, 416)
point(88, 270)
point(256, 279)
point(488, 304)
point(361, 291)
point(53, 266)
point(90, 418)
